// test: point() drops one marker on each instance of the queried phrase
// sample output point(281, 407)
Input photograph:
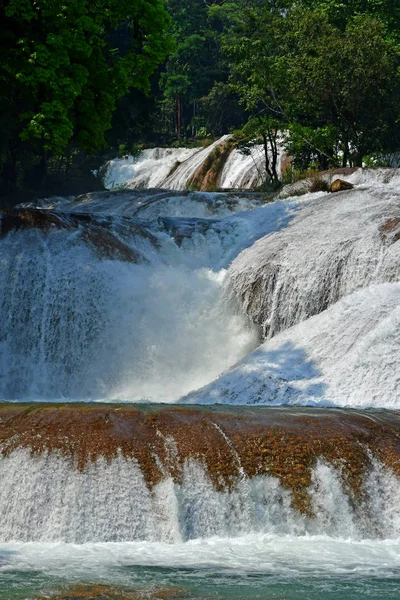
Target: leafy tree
point(63, 75)
point(250, 42)
point(193, 68)
point(334, 86)
point(342, 79)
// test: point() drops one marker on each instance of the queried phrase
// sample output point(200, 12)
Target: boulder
point(390, 230)
point(14, 219)
point(339, 185)
point(95, 233)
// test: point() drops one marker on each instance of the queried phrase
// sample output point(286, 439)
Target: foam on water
point(379, 177)
point(334, 246)
point(74, 326)
point(111, 502)
point(173, 168)
point(149, 170)
point(345, 356)
point(286, 555)
point(149, 205)
point(244, 170)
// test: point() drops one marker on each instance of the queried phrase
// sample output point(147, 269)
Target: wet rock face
point(100, 235)
point(390, 230)
point(208, 175)
point(267, 441)
point(15, 219)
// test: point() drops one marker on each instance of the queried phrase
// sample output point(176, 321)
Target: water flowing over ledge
point(152, 295)
point(334, 246)
point(345, 356)
point(221, 165)
point(131, 296)
point(182, 473)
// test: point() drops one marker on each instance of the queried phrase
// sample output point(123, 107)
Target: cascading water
point(150, 170)
point(336, 245)
point(65, 505)
point(174, 168)
point(341, 357)
point(167, 168)
point(244, 170)
point(132, 296)
point(77, 326)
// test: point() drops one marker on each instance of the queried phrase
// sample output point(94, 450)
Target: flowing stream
point(165, 297)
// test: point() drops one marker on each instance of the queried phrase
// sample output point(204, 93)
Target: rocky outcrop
point(279, 443)
point(390, 230)
point(320, 181)
point(339, 185)
point(15, 219)
point(207, 176)
point(103, 236)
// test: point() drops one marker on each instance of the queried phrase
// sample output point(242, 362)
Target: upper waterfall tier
point(220, 165)
point(76, 473)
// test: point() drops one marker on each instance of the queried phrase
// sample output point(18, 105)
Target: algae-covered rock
point(105, 592)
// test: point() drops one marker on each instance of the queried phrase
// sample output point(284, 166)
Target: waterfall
point(79, 325)
point(149, 170)
point(169, 168)
point(75, 326)
point(339, 357)
point(174, 168)
point(110, 502)
point(244, 170)
point(342, 357)
point(145, 302)
point(182, 175)
point(334, 246)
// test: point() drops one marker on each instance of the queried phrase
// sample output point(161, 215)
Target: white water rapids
point(173, 168)
point(104, 525)
point(322, 282)
point(78, 326)
point(62, 504)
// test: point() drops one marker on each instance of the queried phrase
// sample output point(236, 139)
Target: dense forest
point(80, 78)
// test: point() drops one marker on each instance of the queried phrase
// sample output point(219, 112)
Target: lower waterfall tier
point(89, 473)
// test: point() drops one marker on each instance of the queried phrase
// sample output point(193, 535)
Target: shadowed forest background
point(84, 81)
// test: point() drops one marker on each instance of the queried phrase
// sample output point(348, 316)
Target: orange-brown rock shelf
point(283, 443)
point(105, 592)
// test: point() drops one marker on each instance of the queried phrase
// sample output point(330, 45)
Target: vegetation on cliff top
point(80, 76)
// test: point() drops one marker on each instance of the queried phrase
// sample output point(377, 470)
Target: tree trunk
point(358, 159)
point(179, 117)
point(345, 154)
point(273, 134)
point(266, 157)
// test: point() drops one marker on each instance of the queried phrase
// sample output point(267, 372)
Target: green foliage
point(345, 79)
point(322, 74)
point(62, 75)
point(312, 145)
point(327, 71)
